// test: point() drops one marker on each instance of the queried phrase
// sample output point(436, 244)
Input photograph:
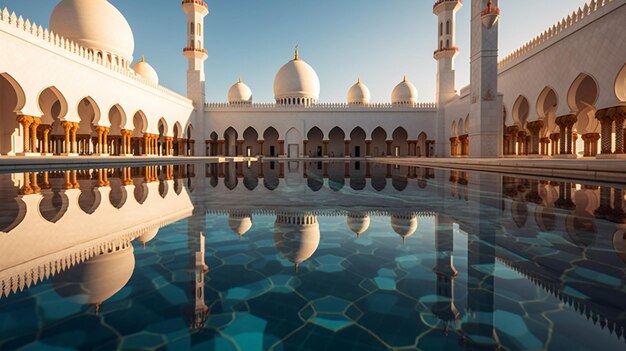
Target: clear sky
point(378, 41)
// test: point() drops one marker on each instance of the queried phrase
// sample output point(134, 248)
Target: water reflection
point(77, 229)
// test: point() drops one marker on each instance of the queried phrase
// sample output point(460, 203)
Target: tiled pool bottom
point(197, 284)
point(371, 292)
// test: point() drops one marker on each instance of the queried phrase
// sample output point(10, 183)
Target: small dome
point(239, 223)
point(359, 94)
point(98, 279)
point(145, 70)
point(147, 236)
point(404, 225)
point(94, 24)
point(296, 236)
point(404, 93)
point(358, 223)
point(239, 94)
point(296, 83)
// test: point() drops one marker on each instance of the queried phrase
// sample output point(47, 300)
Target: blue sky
point(378, 41)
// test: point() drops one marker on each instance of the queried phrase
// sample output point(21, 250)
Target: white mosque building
point(561, 95)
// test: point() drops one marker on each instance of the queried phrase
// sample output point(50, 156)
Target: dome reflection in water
point(326, 254)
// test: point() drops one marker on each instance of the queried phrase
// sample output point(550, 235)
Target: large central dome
point(94, 24)
point(296, 83)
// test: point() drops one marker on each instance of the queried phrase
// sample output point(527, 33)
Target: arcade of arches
point(337, 143)
point(52, 133)
point(587, 131)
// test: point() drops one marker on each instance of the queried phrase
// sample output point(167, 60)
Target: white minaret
point(486, 125)
point(445, 10)
point(195, 53)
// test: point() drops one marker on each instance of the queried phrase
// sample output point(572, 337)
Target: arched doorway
point(113, 142)
point(581, 99)
point(399, 145)
point(230, 145)
point(420, 148)
point(549, 132)
point(315, 145)
point(520, 114)
point(336, 142)
point(162, 141)
point(293, 139)
point(270, 142)
point(62, 138)
point(177, 139)
point(379, 143)
point(190, 141)
point(250, 142)
point(357, 142)
point(140, 125)
point(12, 99)
point(89, 112)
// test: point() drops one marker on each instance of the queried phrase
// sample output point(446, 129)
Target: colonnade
point(219, 148)
point(37, 140)
point(463, 142)
point(563, 143)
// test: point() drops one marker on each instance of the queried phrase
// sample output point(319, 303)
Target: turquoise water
point(309, 256)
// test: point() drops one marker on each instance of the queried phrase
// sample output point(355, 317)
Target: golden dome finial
point(297, 57)
point(143, 59)
point(358, 80)
point(404, 78)
point(240, 81)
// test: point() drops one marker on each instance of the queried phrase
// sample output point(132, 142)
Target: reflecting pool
point(309, 256)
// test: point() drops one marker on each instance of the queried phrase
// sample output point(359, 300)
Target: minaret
point(444, 308)
point(195, 53)
point(486, 125)
point(445, 10)
point(197, 311)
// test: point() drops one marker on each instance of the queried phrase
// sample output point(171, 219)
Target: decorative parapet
point(324, 106)
point(581, 17)
point(43, 37)
point(196, 2)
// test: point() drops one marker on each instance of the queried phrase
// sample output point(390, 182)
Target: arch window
point(440, 44)
point(191, 27)
point(199, 30)
point(448, 28)
point(447, 43)
point(441, 29)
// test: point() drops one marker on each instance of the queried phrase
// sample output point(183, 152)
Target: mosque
point(561, 95)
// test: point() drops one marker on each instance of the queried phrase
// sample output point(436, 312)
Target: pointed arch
point(583, 92)
point(12, 100)
point(357, 142)
point(315, 145)
point(230, 145)
point(400, 146)
point(53, 105)
point(8, 83)
point(293, 140)
point(521, 111)
point(379, 142)
point(336, 142)
point(250, 142)
point(270, 142)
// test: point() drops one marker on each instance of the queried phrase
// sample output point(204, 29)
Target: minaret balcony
point(195, 53)
point(195, 5)
point(490, 15)
point(448, 52)
point(446, 5)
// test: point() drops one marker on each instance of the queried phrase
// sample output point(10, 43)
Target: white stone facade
point(555, 96)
